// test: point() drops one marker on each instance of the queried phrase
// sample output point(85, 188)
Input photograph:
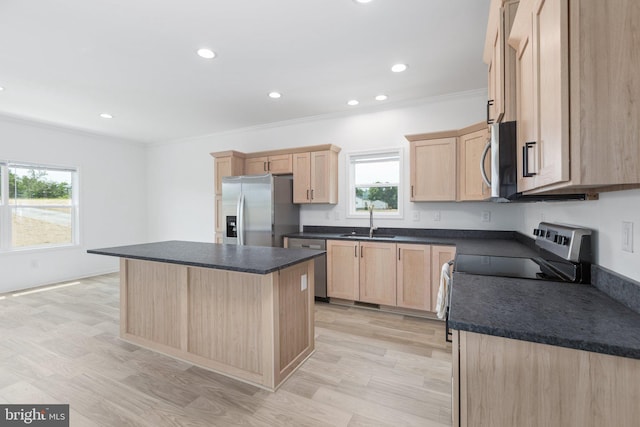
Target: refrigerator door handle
point(240, 219)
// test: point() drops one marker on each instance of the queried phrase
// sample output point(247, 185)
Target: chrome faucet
point(371, 227)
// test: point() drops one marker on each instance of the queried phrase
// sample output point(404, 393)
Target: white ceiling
point(67, 61)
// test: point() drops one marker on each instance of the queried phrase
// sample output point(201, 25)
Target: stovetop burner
point(521, 268)
point(563, 255)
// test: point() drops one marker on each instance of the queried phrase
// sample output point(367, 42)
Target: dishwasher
point(320, 276)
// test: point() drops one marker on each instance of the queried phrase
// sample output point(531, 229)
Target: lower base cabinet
point(439, 256)
point(413, 287)
point(343, 269)
point(399, 275)
point(502, 382)
point(377, 284)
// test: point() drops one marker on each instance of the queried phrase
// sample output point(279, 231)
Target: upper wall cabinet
point(445, 166)
point(578, 88)
point(500, 60)
point(314, 169)
point(433, 172)
point(471, 147)
point(227, 163)
point(278, 165)
point(315, 176)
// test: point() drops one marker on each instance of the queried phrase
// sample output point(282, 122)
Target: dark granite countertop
point(246, 259)
point(470, 242)
point(566, 315)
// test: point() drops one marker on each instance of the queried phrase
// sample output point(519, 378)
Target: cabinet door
point(439, 256)
point(279, 165)
point(414, 277)
point(256, 166)
point(222, 167)
point(226, 166)
point(471, 186)
point(324, 173)
point(551, 64)
point(378, 273)
point(526, 152)
point(302, 178)
point(433, 170)
point(220, 225)
point(342, 269)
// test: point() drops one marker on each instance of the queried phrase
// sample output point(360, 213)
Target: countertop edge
point(594, 347)
point(204, 265)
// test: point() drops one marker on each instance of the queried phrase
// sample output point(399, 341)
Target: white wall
point(181, 173)
point(113, 184)
point(605, 216)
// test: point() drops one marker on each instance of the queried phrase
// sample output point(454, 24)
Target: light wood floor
point(369, 369)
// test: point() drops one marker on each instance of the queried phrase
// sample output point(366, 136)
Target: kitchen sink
point(366, 236)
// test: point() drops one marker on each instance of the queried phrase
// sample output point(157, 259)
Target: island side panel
point(295, 317)
point(225, 312)
point(152, 301)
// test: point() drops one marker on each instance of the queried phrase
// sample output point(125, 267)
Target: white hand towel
point(441, 302)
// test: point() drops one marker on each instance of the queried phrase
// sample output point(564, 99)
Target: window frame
point(351, 202)
point(7, 209)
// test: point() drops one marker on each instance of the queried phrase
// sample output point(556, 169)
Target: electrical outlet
point(303, 282)
point(627, 236)
point(416, 215)
point(436, 216)
point(485, 216)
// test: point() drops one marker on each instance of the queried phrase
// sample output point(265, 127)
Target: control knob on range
point(538, 232)
point(561, 240)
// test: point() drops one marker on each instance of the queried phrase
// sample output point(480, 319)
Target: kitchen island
point(246, 312)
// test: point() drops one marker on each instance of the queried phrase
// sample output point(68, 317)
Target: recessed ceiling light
point(1, 88)
point(362, 1)
point(353, 102)
point(381, 98)
point(206, 53)
point(106, 116)
point(275, 95)
point(398, 68)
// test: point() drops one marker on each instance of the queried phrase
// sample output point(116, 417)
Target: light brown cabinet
point(578, 114)
point(543, 83)
point(439, 256)
point(471, 186)
point(500, 60)
point(445, 166)
point(378, 273)
point(361, 271)
point(343, 269)
point(402, 275)
point(414, 277)
point(277, 165)
point(502, 382)
point(315, 177)
point(433, 169)
point(228, 163)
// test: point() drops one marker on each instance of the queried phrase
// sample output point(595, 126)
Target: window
point(39, 206)
point(374, 181)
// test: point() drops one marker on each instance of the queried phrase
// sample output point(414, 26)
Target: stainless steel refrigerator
point(258, 209)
